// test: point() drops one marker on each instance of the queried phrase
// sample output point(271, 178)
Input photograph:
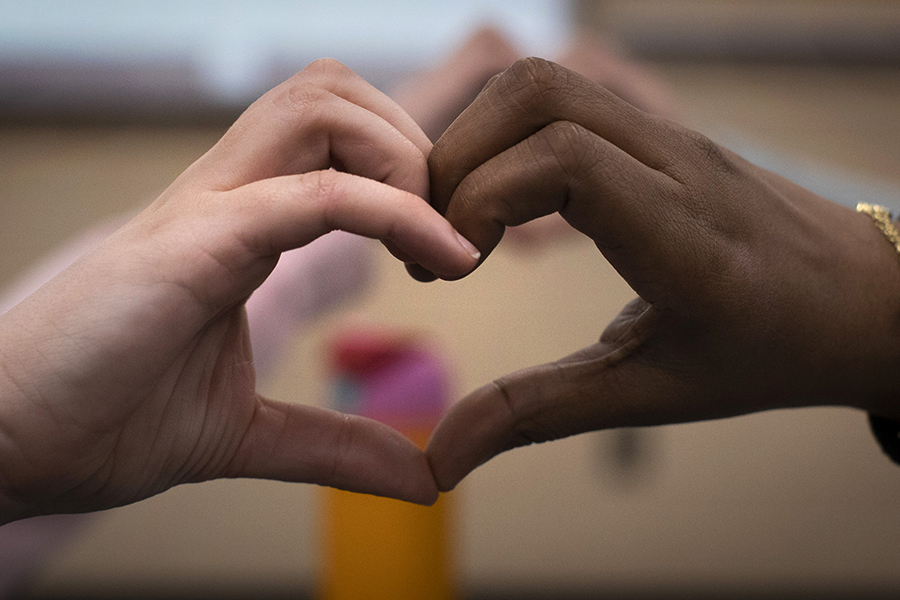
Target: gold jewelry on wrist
point(886, 431)
point(883, 220)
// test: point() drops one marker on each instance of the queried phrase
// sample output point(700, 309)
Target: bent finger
point(344, 82)
point(599, 189)
point(325, 116)
point(526, 98)
point(326, 131)
point(276, 215)
point(297, 443)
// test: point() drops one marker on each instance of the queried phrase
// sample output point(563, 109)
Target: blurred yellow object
point(379, 548)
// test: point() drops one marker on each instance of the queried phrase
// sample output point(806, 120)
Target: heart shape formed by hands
point(132, 372)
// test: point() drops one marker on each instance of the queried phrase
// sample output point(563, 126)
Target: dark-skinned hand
point(753, 293)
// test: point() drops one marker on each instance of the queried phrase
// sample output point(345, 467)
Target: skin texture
point(132, 370)
point(753, 293)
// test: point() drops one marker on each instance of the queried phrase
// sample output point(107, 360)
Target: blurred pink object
point(25, 544)
point(395, 378)
point(307, 282)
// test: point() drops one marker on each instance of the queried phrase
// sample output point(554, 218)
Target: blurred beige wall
point(770, 29)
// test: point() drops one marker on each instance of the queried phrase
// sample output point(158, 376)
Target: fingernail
point(468, 246)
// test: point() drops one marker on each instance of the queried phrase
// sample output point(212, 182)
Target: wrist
point(884, 401)
point(13, 402)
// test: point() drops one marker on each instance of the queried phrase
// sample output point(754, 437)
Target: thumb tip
point(420, 273)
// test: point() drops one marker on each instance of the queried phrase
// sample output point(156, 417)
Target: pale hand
point(132, 371)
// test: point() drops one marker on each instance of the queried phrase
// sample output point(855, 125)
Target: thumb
point(293, 442)
point(595, 388)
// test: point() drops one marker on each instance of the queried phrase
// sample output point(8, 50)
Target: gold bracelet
point(882, 218)
point(886, 431)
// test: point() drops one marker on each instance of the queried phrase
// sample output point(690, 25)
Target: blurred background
point(103, 103)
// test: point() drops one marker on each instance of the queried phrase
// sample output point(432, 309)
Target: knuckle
point(335, 474)
point(502, 386)
point(326, 194)
point(572, 146)
point(535, 71)
point(525, 428)
point(537, 81)
point(326, 66)
point(302, 96)
point(711, 153)
point(696, 160)
point(468, 196)
point(312, 86)
point(567, 133)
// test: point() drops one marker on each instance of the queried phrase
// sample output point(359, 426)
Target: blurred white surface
point(234, 45)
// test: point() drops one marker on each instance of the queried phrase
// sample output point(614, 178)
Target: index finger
point(324, 116)
point(524, 99)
